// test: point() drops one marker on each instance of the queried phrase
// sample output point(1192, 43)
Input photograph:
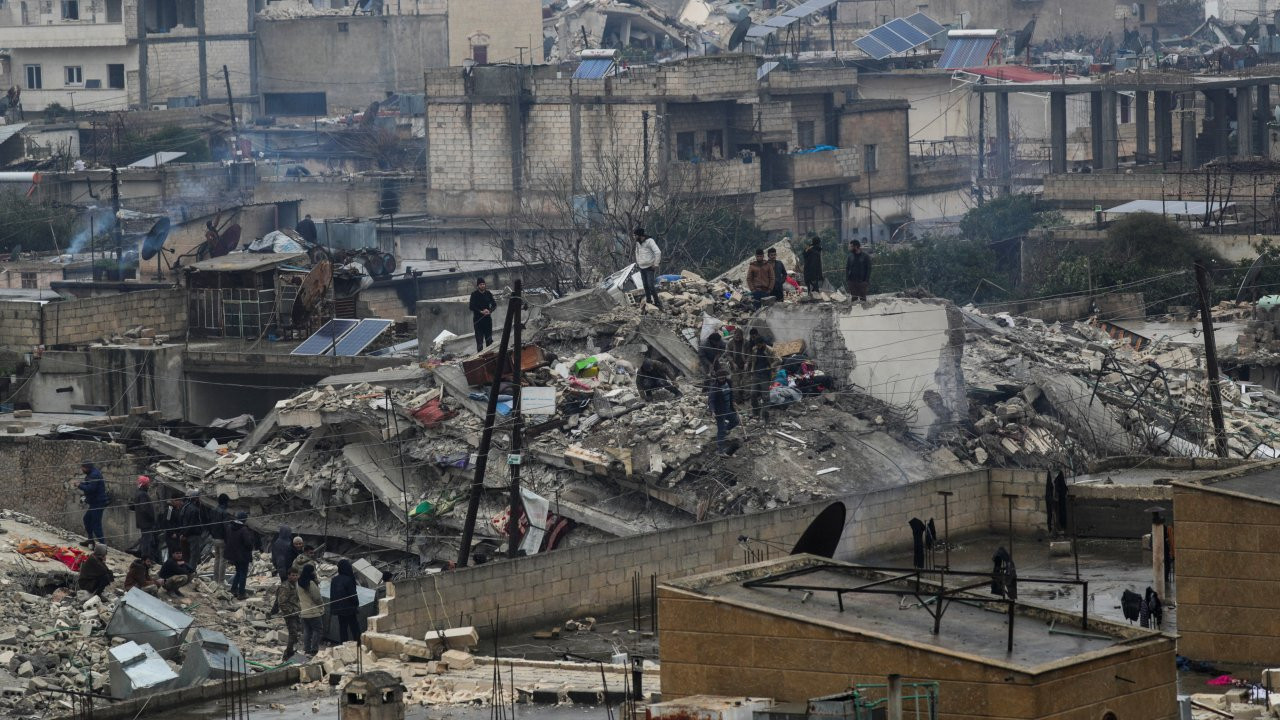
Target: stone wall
point(595, 579)
point(41, 477)
point(79, 322)
point(887, 130)
point(1228, 575)
point(1076, 190)
point(20, 325)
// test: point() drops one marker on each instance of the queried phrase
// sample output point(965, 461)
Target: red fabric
point(431, 414)
point(1221, 680)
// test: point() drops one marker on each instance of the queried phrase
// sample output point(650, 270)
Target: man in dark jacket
point(482, 306)
point(139, 576)
point(779, 274)
point(306, 227)
point(241, 542)
point(344, 603)
point(813, 265)
point(144, 517)
point(760, 278)
point(654, 375)
point(176, 573)
point(172, 524)
point(94, 488)
point(857, 271)
point(219, 518)
point(194, 527)
point(282, 552)
point(95, 576)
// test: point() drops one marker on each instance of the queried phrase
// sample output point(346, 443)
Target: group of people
point(746, 364)
point(175, 535)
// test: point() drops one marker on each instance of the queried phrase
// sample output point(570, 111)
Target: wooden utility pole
point(1211, 360)
point(115, 211)
point(226, 77)
point(486, 440)
point(515, 308)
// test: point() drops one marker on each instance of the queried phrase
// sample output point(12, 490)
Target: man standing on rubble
point(194, 527)
point(306, 227)
point(482, 306)
point(760, 278)
point(287, 605)
point(857, 271)
point(311, 609)
point(779, 274)
point(173, 537)
point(96, 497)
point(720, 402)
point(218, 521)
point(241, 542)
point(761, 367)
point(648, 257)
point(306, 557)
point(282, 552)
point(144, 517)
point(95, 576)
point(813, 265)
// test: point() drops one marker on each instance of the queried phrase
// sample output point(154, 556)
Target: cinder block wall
point(596, 579)
point(77, 322)
point(19, 325)
point(1228, 569)
point(42, 477)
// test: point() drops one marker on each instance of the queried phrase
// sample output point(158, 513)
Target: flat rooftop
point(1120, 82)
point(1261, 484)
point(969, 629)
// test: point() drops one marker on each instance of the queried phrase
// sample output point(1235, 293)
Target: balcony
point(63, 35)
point(814, 169)
point(719, 178)
point(940, 172)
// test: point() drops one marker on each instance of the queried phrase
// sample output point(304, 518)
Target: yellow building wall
point(504, 26)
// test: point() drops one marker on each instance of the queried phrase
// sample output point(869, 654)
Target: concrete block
point(457, 660)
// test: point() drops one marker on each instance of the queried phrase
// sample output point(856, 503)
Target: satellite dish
point(314, 287)
point(154, 241)
point(226, 241)
point(1023, 39)
point(739, 33)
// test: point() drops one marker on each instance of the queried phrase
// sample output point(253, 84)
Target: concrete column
point(1110, 141)
point(1187, 116)
point(1217, 128)
point(1262, 107)
point(1244, 121)
point(1142, 113)
point(1095, 128)
point(1004, 144)
point(893, 703)
point(1157, 555)
point(1057, 132)
point(1164, 126)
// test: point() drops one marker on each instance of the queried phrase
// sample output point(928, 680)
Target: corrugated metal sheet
point(592, 69)
point(965, 52)
point(347, 235)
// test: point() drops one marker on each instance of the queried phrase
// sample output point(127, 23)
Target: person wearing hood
point(241, 542)
point(96, 497)
point(282, 552)
point(144, 518)
point(311, 609)
point(344, 603)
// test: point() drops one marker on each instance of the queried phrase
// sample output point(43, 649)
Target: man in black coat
point(857, 271)
point(283, 551)
point(307, 229)
point(241, 543)
point(344, 603)
point(144, 518)
point(482, 306)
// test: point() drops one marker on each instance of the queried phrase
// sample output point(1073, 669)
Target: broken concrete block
point(384, 643)
point(25, 670)
point(462, 638)
point(458, 660)
point(22, 413)
point(1060, 548)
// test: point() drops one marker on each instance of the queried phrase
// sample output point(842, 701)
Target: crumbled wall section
point(42, 476)
point(595, 579)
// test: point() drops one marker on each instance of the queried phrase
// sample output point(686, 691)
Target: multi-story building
point(115, 54)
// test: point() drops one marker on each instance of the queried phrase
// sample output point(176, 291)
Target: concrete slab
point(181, 450)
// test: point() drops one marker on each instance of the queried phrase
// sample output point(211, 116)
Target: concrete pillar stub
point(1142, 114)
point(1244, 121)
point(1110, 143)
point(1164, 126)
point(1058, 132)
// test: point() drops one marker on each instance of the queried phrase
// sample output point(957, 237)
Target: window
point(74, 75)
point(804, 134)
point(70, 9)
point(685, 146)
point(115, 77)
point(113, 11)
point(29, 280)
point(480, 53)
point(34, 81)
point(869, 158)
point(1142, 12)
point(804, 220)
point(713, 148)
point(343, 27)
point(25, 19)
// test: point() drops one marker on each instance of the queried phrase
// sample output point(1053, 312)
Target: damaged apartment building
point(792, 146)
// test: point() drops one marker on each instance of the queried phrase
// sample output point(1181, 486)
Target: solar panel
point(780, 21)
point(325, 337)
point(907, 31)
point(966, 52)
point(873, 47)
point(925, 24)
point(354, 342)
point(891, 39)
point(765, 69)
point(593, 68)
point(759, 31)
point(809, 8)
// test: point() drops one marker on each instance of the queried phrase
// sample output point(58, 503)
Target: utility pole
point(644, 117)
point(115, 211)
point(226, 76)
point(486, 439)
point(982, 138)
point(516, 307)
point(1211, 360)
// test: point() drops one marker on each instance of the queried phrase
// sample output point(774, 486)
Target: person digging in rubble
point(813, 265)
point(760, 278)
point(482, 306)
point(710, 351)
point(648, 257)
point(857, 271)
point(344, 603)
point(218, 521)
point(654, 375)
point(283, 551)
point(720, 402)
point(176, 574)
point(779, 274)
point(139, 576)
point(95, 576)
point(286, 603)
point(311, 609)
point(96, 497)
point(241, 542)
point(144, 518)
